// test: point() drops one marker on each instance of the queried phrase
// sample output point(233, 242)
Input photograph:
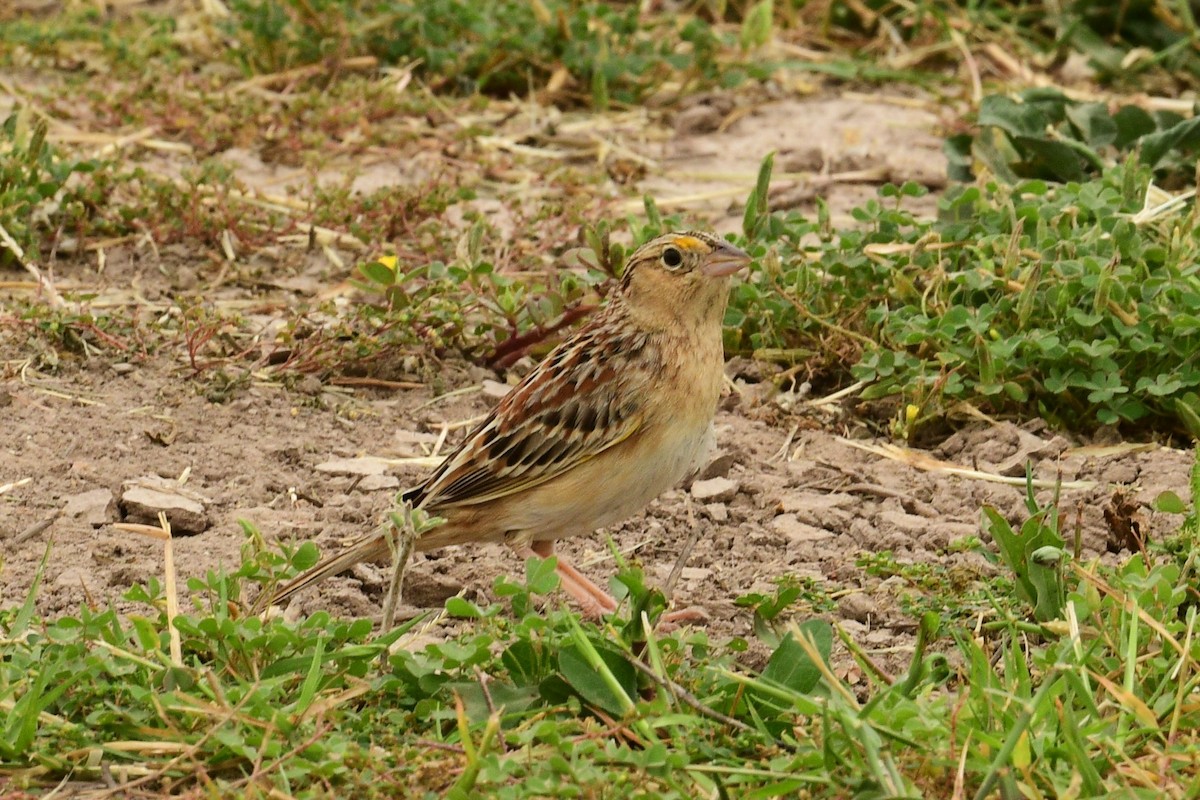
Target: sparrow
point(615, 415)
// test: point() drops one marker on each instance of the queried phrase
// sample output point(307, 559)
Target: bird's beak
point(725, 259)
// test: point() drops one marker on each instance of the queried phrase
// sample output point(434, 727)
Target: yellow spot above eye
point(690, 243)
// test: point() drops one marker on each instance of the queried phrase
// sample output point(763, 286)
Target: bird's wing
point(581, 400)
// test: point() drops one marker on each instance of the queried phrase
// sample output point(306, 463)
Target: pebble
point(714, 490)
point(718, 467)
point(376, 483)
point(797, 531)
point(142, 499)
point(89, 507)
point(695, 573)
point(856, 606)
point(495, 389)
point(367, 465)
point(717, 512)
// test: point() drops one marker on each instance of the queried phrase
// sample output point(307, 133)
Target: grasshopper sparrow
point(615, 415)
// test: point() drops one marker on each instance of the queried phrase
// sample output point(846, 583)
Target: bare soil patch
point(804, 501)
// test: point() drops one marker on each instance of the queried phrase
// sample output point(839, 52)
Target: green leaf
point(756, 26)
point(378, 273)
point(958, 156)
point(576, 671)
point(1184, 136)
point(461, 607)
point(1132, 124)
point(1058, 158)
point(1170, 503)
point(1015, 119)
point(790, 665)
point(540, 574)
point(1188, 412)
point(1094, 124)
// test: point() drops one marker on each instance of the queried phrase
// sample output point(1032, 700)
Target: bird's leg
point(595, 602)
point(691, 613)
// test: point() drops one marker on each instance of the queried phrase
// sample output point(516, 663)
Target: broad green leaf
point(576, 671)
point(1183, 137)
point(1170, 503)
point(1012, 117)
point(790, 665)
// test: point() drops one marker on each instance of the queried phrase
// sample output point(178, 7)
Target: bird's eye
point(672, 257)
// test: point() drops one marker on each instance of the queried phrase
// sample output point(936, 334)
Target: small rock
point(856, 606)
point(717, 512)
point(695, 573)
point(816, 501)
point(375, 483)
point(495, 389)
point(880, 637)
point(309, 385)
point(855, 628)
point(402, 436)
point(123, 368)
point(798, 531)
point(832, 511)
point(426, 590)
point(714, 490)
point(141, 500)
point(901, 521)
point(718, 467)
point(75, 577)
point(698, 119)
point(366, 465)
point(90, 507)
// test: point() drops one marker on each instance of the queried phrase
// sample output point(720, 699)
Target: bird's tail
point(372, 547)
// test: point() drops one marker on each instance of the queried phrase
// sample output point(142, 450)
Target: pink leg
point(594, 601)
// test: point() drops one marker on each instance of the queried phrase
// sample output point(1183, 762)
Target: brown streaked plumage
point(618, 413)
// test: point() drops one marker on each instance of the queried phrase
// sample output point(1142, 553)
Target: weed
point(36, 203)
point(1042, 134)
point(1055, 300)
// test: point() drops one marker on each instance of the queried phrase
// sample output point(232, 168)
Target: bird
point(619, 412)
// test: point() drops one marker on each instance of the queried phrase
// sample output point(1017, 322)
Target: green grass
point(1043, 287)
point(1061, 300)
point(1093, 697)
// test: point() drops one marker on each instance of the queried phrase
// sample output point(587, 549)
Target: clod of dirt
point(698, 119)
point(367, 465)
point(717, 512)
point(797, 531)
point(495, 389)
point(714, 490)
point(90, 508)
point(142, 500)
point(719, 466)
point(428, 590)
point(857, 606)
point(376, 483)
point(832, 511)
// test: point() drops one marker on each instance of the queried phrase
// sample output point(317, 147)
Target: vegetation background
point(464, 181)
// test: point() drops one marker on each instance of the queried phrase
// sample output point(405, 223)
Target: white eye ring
point(672, 258)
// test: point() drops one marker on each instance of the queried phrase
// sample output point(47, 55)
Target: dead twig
point(515, 346)
point(52, 296)
point(34, 529)
point(684, 554)
point(688, 699)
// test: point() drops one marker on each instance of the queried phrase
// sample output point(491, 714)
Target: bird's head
point(680, 278)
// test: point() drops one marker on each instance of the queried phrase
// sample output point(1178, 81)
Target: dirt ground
point(801, 499)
